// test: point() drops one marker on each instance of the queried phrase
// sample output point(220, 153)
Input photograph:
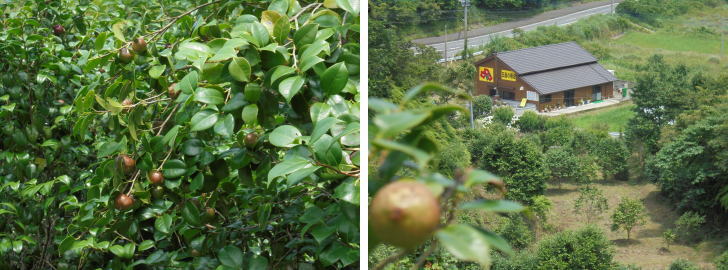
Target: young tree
point(628, 215)
point(668, 236)
point(531, 122)
point(591, 203)
point(482, 105)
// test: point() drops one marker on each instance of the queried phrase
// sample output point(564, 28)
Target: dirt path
point(645, 247)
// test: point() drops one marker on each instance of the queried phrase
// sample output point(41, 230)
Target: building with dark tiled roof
point(550, 76)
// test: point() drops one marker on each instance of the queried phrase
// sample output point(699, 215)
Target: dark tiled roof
point(546, 57)
point(558, 80)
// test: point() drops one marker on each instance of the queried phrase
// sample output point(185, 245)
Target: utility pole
point(465, 3)
point(446, 61)
point(612, 6)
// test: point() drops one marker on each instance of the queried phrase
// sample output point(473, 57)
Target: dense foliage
point(173, 134)
point(400, 151)
point(586, 248)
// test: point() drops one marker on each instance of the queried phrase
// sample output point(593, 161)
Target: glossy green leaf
point(188, 84)
point(163, 224)
point(203, 120)
point(334, 79)
point(306, 34)
point(290, 87)
point(284, 136)
point(174, 168)
point(465, 243)
point(225, 126)
point(250, 114)
point(209, 96)
point(231, 256)
point(156, 71)
point(191, 214)
point(239, 69)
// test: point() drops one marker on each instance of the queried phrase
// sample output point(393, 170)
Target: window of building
point(545, 98)
point(509, 95)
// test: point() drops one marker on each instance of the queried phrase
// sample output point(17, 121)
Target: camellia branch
point(354, 173)
point(154, 35)
point(421, 260)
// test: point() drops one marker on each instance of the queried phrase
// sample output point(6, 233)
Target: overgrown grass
point(614, 118)
point(672, 42)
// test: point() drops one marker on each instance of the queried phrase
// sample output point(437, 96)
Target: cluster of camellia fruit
point(404, 214)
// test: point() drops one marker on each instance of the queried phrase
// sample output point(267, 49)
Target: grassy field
point(646, 248)
point(660, 41)
point(615, 117)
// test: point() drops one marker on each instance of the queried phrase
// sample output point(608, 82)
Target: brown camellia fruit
point(139, 45)
point(195, 253)
point(125, 163)
point(125, 56)
point(156, 177)
point(58, 30)
point(123, 202)
point(210, 212)
point(404, 214)
point(171, 91)
point(251, 139)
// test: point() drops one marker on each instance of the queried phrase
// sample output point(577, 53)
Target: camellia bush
point(414, 206)
point(179, 134)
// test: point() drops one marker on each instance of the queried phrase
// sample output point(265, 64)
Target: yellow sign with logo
point(485, 74)
point(508, 75)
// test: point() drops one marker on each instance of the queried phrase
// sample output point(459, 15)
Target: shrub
point(541, 206)
point(591, 203)
point(564, 165)
point(530, 122)
point(629, 214)
point(520, 261)
point(668, 237)
point(516, 231)
point(503, 114)
point(482, 105)
point(688, 226)
point(586, 248)
point(683, 264)
point(721, 263)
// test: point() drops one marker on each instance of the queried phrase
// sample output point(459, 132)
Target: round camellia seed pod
point(58, 30)
point(156, 177)
point(404, 214)
point(139, 45)
point(125, 163)
point(251, 139)
point(125, 56)
point(123, 202)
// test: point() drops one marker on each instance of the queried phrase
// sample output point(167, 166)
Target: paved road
point(482, 36)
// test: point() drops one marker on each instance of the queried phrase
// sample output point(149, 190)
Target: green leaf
point(171, 136)
point(496, 241)
point(250, 114)
point(239, 69)
point(289, 166)
point(327, 150)
point(66, 244)
point(280, 6)
point(197, 182)
point(252, 92)
point(334, 79)
point(146, 244)
point(290, 87)
point(260, 34)
point(203, 120)
point(174, 168)
point(281, 28)
point(163, 224)
point(421, 157)
point(192, 147)
point(284, 136)
point(118, 32)
point(237, 101)
point(465, 243)
point(126, 251)
point(209, 96)
point(348, 191)
point(191, 214)
point(310, 61)
point(393, 124)
point(306, 34)
point(156, 71)
point(225, 127)
point(321, 127)
point(231, 256)
point(188, 83)
point(351, 6)
point(319, 111)
point(493, 205)
point(281, 72)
